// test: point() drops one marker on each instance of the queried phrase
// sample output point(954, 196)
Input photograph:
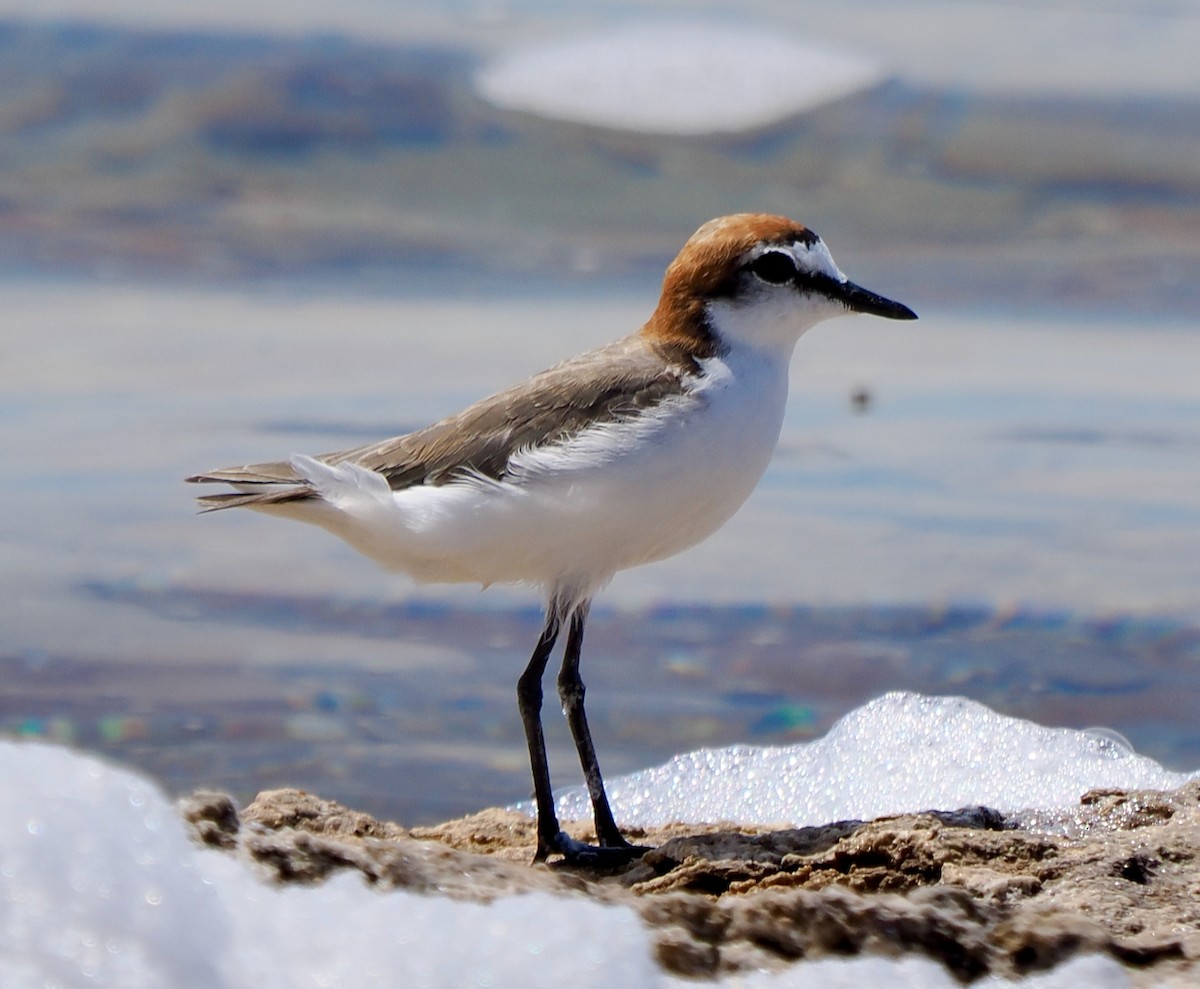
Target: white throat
point(771, 322)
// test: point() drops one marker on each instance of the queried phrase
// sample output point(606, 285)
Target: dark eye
point(774, 267)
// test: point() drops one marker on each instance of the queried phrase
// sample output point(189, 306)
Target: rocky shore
point(980, 893)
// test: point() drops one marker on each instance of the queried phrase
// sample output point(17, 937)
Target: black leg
point(571, 692)
point(529, 700)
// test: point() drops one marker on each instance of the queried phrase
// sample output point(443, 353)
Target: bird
point(622, 456)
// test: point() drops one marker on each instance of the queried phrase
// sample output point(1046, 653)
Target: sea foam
point(900, 752)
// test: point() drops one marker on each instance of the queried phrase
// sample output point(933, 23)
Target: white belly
point(572, 515)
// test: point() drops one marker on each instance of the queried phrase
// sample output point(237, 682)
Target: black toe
point(595, 856)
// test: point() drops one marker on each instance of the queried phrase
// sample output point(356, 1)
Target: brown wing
point(600, 386)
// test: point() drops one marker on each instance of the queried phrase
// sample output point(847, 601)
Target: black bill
point(858, 299)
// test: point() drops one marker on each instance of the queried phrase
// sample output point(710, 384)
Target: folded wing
point(608, 384)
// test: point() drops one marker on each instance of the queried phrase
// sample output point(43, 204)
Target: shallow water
point(1013, 517)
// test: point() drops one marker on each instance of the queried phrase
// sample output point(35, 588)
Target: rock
point(981, 894)
point(213, 817)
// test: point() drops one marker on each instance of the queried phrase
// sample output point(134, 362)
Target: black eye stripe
point(774, 267)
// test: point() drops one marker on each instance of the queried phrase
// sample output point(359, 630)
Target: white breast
point(571, 515)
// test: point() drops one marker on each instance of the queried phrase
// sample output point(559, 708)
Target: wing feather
point(603, 385)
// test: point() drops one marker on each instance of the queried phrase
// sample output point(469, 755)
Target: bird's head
point(757, 280)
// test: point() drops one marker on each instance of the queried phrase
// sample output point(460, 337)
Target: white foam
point(100, 885)
point(901, 752)
point(675, 78)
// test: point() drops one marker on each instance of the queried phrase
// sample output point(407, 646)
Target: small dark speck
point(1137, 869)
point(860, 400)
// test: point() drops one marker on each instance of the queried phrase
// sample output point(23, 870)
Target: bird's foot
point(608, 856)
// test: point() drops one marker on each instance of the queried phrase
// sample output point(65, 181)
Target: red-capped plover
point(618, 457)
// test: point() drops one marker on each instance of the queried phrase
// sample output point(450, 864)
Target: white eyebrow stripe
point(815, 258)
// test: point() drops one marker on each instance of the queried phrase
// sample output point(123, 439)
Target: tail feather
point(280, 472)
point(240, 499)
point(256, 485)
point(299, 479)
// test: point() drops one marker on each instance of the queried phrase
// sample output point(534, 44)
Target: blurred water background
point(229, 232)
